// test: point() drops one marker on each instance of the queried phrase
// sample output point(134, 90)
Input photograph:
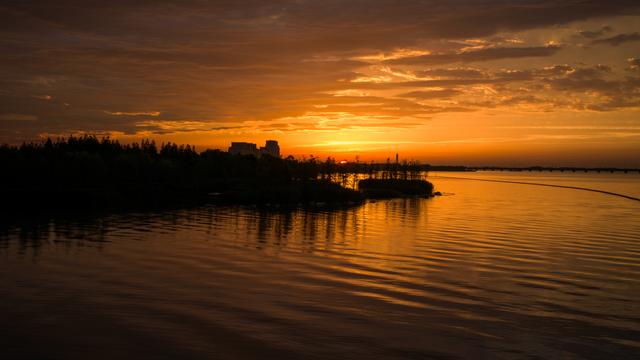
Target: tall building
point(271, 148)
point(244, 148)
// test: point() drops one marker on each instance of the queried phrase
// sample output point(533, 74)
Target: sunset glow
point(320, 179)
point(492, 84)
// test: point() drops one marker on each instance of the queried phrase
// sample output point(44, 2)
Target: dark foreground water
point(495, 271)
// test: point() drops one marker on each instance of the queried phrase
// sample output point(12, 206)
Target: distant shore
point(560, 169)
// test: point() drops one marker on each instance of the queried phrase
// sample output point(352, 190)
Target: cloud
point(487, 54)
point(593, 34)
point(335, 120)
point(585, 79)
point(173, 126)
point(393, 55)
point(452, 73)
point(618, 39)
point(18, 117)
point(230, 63)
point(431, 94)
point(133, 113)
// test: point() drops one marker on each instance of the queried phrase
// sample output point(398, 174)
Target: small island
point(87, 173)
point(393, 188)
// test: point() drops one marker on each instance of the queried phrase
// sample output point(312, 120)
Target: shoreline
point(294, 194)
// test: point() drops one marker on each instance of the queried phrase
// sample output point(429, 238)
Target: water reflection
point(319, 230)
point(27, 236)
point(496, 271)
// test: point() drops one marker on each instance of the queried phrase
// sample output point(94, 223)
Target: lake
point(489, 270)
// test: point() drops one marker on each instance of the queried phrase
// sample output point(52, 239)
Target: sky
point(484, 82)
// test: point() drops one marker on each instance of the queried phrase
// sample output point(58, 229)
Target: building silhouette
point(245, 148)
point(271, 147)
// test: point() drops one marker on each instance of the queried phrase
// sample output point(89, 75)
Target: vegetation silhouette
point(85, 172)
point(391, 188)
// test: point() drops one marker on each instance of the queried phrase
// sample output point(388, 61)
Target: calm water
point(492, 271)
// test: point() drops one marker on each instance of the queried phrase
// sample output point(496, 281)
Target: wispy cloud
point(18, 117)
point(393, 55)
point(618, 39)
point(178, 126)
point(133, 113)
point(593, 34)
point(479, 55)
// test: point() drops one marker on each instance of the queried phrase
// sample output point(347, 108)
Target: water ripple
point(495, 271)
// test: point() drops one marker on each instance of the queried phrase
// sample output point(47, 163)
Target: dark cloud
point(18, 117)
point(593, 34)
point(556, 70)
point(167, 127)
point(618, 39)
point(552, 87)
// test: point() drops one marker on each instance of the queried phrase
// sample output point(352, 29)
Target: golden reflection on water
point(491, 270)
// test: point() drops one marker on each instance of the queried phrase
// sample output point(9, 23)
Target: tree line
point(99, 172)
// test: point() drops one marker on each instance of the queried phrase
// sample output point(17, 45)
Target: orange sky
point(505, 83)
